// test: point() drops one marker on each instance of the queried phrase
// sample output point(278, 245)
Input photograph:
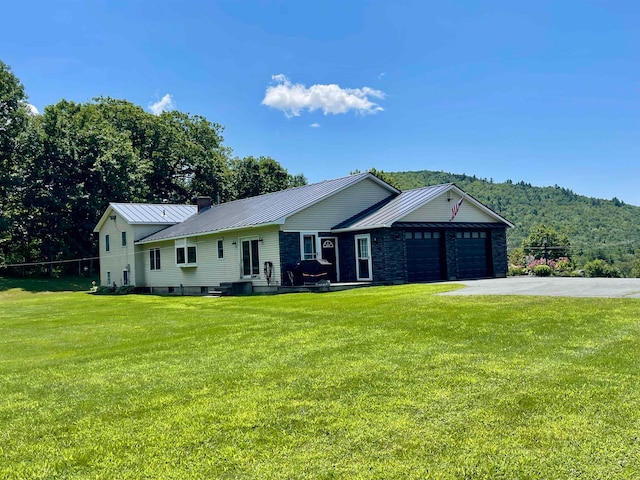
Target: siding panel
point(211, 271)
point(335, 209)
point(439, 210)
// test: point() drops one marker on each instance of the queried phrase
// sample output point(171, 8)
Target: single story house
point(364, 228)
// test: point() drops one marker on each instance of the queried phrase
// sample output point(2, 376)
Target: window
point(124, 239)
point(125, 277)
point(363, 257)
point(186, 255)
point(106, 243)
point(250, 258)
point(154, 259)
point(108, 276)
point(308, 247)
point(221, 248)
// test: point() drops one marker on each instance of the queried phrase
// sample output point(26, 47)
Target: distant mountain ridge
point(597, 228)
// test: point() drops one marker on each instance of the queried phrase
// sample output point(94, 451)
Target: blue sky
point(547, 92)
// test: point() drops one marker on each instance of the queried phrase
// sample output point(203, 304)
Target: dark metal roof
point(401, 205)
point(271, 208)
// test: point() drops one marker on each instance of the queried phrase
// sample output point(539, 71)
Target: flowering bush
point(564, 265)
point(541, 261)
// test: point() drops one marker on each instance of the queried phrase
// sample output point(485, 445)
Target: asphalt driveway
point(551, 286)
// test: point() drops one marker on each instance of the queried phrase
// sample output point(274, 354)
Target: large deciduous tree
point(252, 176)
point(14, 119)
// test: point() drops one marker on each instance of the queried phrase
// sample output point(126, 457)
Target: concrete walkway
point(552, 286)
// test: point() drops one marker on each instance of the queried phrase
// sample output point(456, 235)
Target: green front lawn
point(388, 382)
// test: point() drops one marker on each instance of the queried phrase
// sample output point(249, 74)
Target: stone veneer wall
point(389, 255)
point(289, 254)
point(499, 252)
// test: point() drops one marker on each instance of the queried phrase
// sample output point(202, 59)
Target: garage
point(425, 256)
point(473, 258)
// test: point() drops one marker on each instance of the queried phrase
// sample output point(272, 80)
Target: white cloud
point(293, 98)
point(32, 109)
point(162, 105)
point(315, 125)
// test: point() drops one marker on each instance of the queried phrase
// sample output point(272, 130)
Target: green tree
point(545, 242)
point(254, 176)
point(14, 124)
point(382, 175)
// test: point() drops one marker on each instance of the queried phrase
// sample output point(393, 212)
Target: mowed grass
point(384, 382)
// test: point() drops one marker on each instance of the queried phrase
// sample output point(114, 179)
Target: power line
point(52, 262)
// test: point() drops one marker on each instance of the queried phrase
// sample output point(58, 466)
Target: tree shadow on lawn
point(72, 283)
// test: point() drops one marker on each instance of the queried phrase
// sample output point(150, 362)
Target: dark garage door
point(472, 255)
point(424, 256)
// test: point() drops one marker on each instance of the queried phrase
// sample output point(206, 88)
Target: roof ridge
point(154, 204)
point(290, 189)
point(430, 186)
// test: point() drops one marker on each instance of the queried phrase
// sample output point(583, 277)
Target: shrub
point(515, 271)
point(564, 265)
point(542, 270)
point(105, 290)
point(600, 268)
point(124, 290)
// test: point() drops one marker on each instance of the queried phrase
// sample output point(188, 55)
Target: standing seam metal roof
point(264, 209)
point(156, 213)
point(398, 207)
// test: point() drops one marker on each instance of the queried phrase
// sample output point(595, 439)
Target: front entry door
point(328, 251)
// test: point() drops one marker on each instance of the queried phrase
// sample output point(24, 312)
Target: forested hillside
point(605, 229)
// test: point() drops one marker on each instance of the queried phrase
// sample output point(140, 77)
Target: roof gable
point(387, 213)
point(148, 214)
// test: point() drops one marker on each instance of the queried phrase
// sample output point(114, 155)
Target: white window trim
point(156, 268)
point(248, 239)
point(358, 276)
point(317, 244)
point(220, 240)
point(185, 243)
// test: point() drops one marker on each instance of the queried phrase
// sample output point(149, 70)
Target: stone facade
point(388, 255)
point(289, 254)
point(499, 252)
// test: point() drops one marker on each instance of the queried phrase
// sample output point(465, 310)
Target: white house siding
point(142, 231)
point(210, 270)
point(118, 258)
point(439, 210)
point(324, 215)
